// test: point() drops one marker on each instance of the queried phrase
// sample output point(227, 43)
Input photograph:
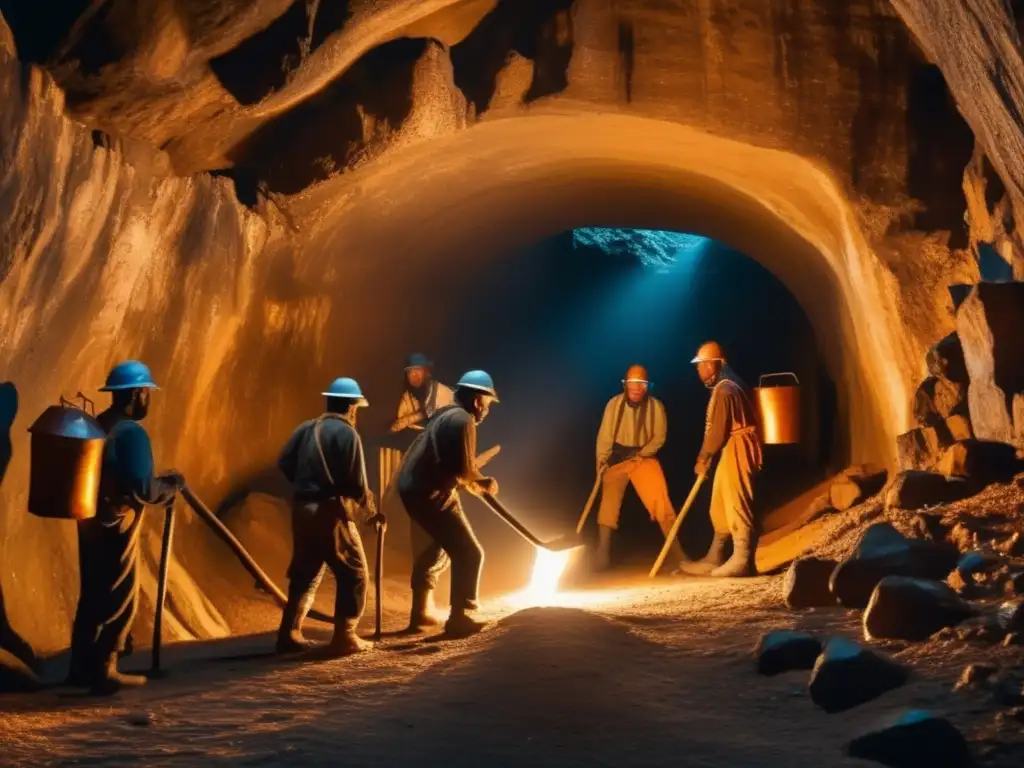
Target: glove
point(378, 520)
point(702, 466)
point(370, 503)
point(173, 478)
point(602, 466)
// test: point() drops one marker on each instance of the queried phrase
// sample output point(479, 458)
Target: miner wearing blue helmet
point(324, 462)
point(108, 544)
point(441, 460)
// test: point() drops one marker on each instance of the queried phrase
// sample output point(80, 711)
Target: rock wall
point(379, 144)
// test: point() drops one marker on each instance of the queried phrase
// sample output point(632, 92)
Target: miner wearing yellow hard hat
point(730, 430)
point(632, 432)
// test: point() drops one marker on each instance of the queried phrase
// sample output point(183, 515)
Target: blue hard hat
point(130, 374)
point(418, 360)
point(480, 381)
point(346, 388)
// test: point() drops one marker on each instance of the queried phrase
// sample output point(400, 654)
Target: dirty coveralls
point(629, 430)
point(440, 459)
point(324, 531)
point(731, 428)
point(108, 547)
point(435, 396)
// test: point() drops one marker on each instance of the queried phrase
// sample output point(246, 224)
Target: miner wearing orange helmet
point(730, 430)
point(632, 432)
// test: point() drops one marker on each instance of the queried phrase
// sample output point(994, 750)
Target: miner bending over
point(632, 432)
point(730, 429)
point(324, 462)
point(440, 461)
point(108, 544)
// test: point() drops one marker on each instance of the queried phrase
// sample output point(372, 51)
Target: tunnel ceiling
point(652, 248)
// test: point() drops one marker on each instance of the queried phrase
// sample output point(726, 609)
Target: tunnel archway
point(506, 183)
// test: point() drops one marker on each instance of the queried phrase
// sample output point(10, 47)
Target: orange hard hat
point(709, 351)
point(636, 373)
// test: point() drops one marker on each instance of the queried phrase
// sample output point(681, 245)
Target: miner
point(422, 397)
point(324, 462)
point(108, 544)
point(441, 460)
point(730, 430)
point(632, 432)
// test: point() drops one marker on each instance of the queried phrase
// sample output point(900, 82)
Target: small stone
point(140, 718)
point(1011, 615)
point(945, 635)
point(806, 584)
point(1014, 585)
point(847, 675)
point(1013, 638)
point(856, 486)
point(912, 609)
point(1013, 546)
point(974, 674)
point(960, 585)
point(962, 538)
point(928, 527)
point(785, 650)
point(1014, 715)
point(971, 562)
point(912, 740)
point(984, 629)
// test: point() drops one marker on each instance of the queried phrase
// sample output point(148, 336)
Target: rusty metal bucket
point(66, 459)
point(778, 410)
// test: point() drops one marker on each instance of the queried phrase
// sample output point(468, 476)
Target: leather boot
point(713, 559)
point(289, 635)
point(422, 615)
point(107, 680)
point(603, 556)
point(460, 624)
point(742, 561)
point(345, 642)
point(675, 555)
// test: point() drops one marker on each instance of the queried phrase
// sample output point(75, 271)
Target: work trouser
point(732, 493)
point(649, 481)
point(108, 557)
point(444, 537)
point(324, 534)
point(419, 539)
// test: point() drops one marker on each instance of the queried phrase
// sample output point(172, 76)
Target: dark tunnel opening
point(557, 324)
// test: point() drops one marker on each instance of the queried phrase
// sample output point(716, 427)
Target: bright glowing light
point(548, 568)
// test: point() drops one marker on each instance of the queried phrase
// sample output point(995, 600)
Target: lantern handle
point(87, 405)
point(760, 381)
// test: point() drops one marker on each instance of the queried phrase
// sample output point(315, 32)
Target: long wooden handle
point(590, 502)
point(486, 456)
point(377, 576)
point(675, 526)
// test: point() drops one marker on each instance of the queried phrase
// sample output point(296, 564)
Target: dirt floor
point(633, 673)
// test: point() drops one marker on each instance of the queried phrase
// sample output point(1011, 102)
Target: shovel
point(675, 526)
point(560, 544)
point(378, 573)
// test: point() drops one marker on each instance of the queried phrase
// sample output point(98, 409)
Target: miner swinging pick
point(632, 432)
point(731, 428)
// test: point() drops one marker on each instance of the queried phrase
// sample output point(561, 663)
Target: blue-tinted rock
point(914, 739)
point(846, 675)
point(785, 650)
point(912, 609)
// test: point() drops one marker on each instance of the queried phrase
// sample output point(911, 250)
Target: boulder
point(920, 448)
point(915, 489)
point(847, 675)
point(1010, 615)
point(15, 675)
point(990, 324)
point(912, 609)
point(785, 650)
point(959, 427)
point(938, 398)
point(884, 551)
point(913, 739)
point(982, 461)
point(852, 488)
point(946, 360)
point(971, 562)
point(806, 584)
point(925, 412)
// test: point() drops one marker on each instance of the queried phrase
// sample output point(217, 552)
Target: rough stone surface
point(920, 448)
point(855, 488)
point(990, 324)
point(6, 39)
point(912, 740)
point(912, 609)
point(806, 584)
point(785, 651)
point(847, 675)
point(915, 489)
point(959, 427)
point(884, 551)
point(946, 360)
point(929, 527)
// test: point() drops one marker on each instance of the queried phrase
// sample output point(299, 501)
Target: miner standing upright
point(324, 462)
point(730, 429)
point(108, 544)
point(440, 461)
point(633, 430)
